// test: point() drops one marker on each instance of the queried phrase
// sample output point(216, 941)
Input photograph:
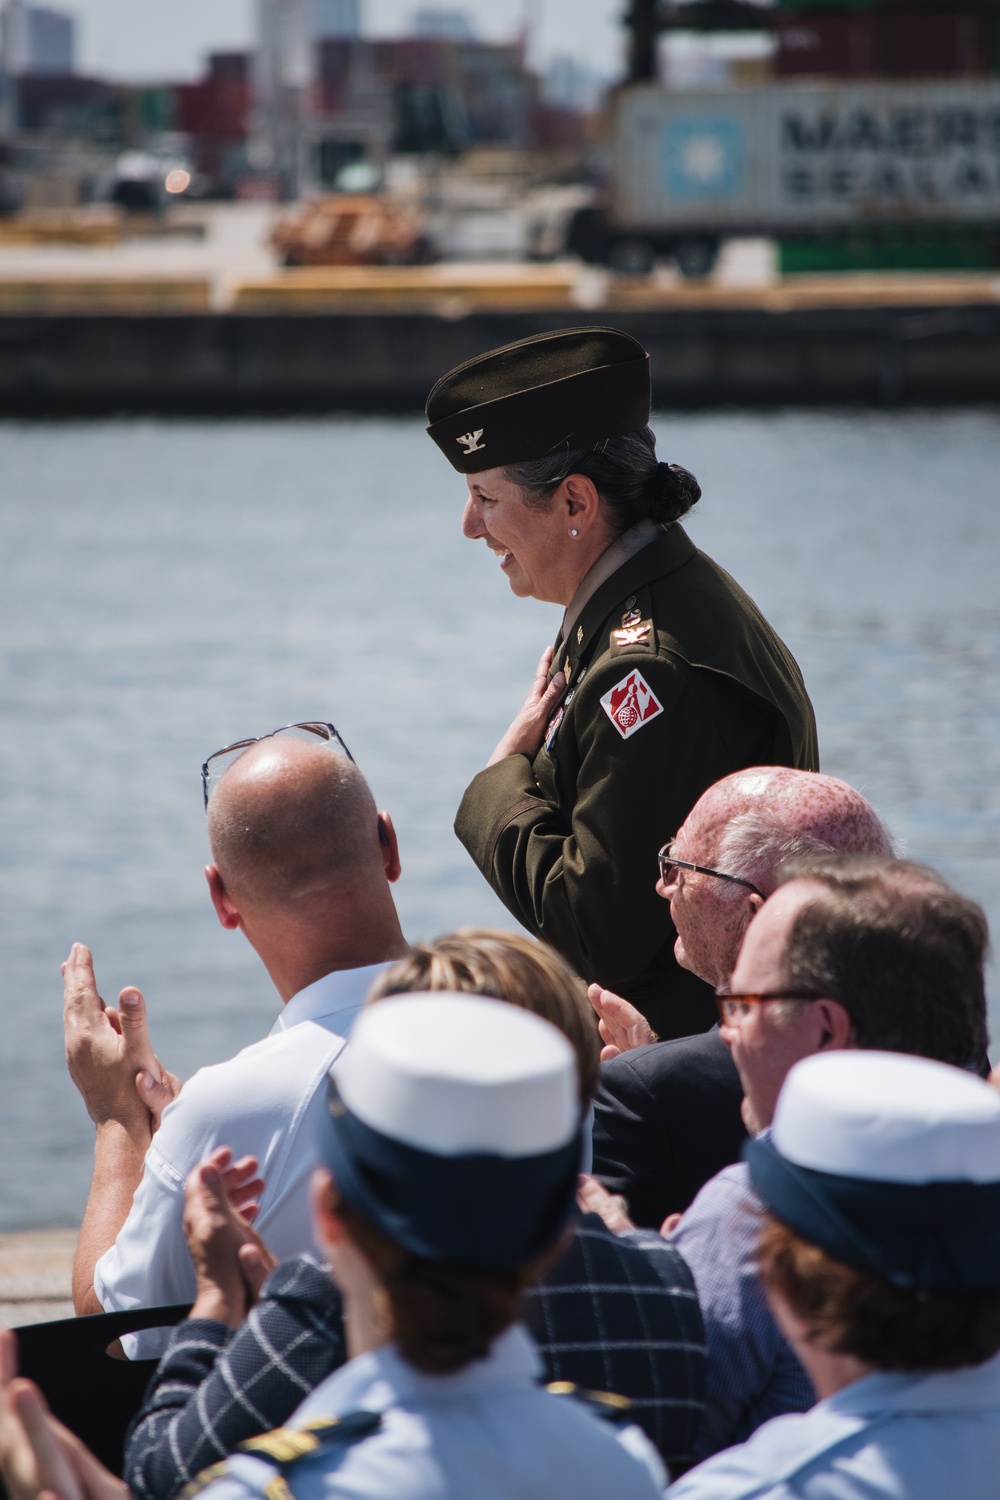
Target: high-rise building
point(283, 71)
point(36, 40)
point(446, 25)
point(336, 18)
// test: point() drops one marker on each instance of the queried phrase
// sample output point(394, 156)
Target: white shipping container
point(783, 158)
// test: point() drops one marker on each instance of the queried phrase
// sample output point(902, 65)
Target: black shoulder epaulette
point(284, 1446)
point(603, 1404)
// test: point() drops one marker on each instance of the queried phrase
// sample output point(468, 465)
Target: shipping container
point(807, 155)
point(943, 42)
point(806, 161)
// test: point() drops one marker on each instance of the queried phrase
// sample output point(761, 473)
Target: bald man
point(302, 864)
point(668, 1114)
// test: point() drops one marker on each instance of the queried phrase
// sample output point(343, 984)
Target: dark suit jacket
point(666, 1119)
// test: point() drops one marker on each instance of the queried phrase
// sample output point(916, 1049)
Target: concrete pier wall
point(205, 363)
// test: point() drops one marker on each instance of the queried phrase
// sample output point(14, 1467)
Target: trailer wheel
point(696, 256)
point(631, 257)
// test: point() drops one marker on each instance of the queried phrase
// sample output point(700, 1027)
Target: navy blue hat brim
point(941, 1236)
point(476, 1210)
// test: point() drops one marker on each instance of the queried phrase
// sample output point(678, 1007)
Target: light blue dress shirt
point(753, 1374)
point(488, 1432)
point(884, 1437)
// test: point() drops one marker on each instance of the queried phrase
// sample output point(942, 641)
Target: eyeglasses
point(668, 861)
point(218, 764)
point(734, 1009)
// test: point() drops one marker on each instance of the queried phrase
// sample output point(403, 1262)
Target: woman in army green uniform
point(664, 676)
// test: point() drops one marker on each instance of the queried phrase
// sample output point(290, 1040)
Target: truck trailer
point(810, 161)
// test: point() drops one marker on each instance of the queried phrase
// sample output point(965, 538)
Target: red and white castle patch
point(630, 704)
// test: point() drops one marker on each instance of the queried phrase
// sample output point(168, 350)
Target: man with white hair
point(667, 1116)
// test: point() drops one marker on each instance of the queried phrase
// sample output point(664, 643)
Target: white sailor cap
point(890, 1163)
point(455, 1127)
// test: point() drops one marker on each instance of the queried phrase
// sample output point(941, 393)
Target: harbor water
point(171, 586)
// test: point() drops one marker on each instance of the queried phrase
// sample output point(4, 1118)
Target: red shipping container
point(915, 44)
point(839, 46)
point(213, 108)
point(942, 45)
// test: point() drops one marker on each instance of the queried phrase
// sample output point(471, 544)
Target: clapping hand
point(592, 1198)
point(109, 1053)
point(40, 1459)
point(621, 1025)
point(231, 1261)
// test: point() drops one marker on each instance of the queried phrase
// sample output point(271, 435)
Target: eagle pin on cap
point(571, 388)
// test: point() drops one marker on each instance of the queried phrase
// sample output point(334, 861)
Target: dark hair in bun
point(626, 474)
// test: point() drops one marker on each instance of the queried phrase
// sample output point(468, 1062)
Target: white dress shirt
point(884, 1437)
point(269, 1101)
point(488, 1432)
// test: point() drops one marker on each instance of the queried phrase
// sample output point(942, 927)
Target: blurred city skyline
point(162, 40)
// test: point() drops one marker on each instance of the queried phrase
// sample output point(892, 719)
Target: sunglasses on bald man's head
point(313, 733)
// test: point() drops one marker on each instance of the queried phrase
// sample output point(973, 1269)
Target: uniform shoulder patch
point(631, 704)
point(603, 1404)
point(203, 1480)
point(285, 1445)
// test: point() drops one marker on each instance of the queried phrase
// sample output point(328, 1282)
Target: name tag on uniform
point(631, 704)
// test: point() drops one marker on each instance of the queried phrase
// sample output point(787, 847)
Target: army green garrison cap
point(566, 389)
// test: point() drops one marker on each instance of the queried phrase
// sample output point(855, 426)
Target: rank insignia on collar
point(631, 617)
point(632, 635)
point(579, 635)
point(630, 704)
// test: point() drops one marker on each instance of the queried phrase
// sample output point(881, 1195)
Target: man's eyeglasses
point(734, 1009)
point(218, 764)
point(668, 862)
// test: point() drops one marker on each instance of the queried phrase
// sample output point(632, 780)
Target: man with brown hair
point(880, 1252)
point(850, 952)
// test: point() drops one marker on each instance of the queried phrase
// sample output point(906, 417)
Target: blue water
point(171, 586)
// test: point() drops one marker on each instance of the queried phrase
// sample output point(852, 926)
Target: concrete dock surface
point(35, 1271)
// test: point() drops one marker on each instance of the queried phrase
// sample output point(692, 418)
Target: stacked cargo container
point(886, 38)
point(891, 39)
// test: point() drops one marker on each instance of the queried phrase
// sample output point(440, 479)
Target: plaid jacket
point(612, 1315)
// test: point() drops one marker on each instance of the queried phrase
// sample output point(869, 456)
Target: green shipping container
point(931, 252)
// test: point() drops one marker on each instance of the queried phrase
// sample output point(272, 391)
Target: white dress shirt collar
point(340, 994)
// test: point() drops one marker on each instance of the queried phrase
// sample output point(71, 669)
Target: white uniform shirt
point(488, 1432)
point(268, 1101)
point(922, 1437)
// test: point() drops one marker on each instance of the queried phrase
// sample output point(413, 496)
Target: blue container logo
point(703, 158)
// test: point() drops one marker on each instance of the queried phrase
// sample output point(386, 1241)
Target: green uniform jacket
point(675, 679)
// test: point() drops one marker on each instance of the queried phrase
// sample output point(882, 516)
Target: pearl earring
point(574, 532)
